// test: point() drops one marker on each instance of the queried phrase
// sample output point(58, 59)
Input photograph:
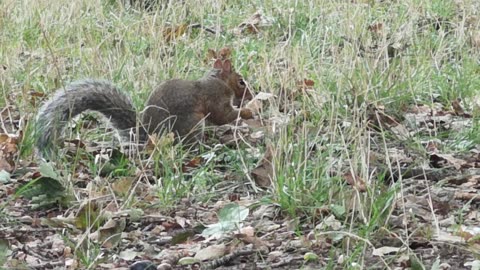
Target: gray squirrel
point(176, 104)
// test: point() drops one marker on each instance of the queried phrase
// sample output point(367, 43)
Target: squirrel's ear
point(218, 64)
point(227, 66)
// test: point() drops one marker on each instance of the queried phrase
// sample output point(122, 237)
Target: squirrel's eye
point(241, 82)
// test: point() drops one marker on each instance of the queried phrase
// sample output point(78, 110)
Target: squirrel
point(178, 105)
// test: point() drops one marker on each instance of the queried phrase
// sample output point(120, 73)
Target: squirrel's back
point(179, 105)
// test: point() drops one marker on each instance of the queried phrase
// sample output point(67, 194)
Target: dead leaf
point(251, 239)
point(443, 236)
point(173, 32)
point(432, 147)
point(5, 165)
point(274, 256)
point(385, 251)
point(305, 84)
point(34, 95)
point(355, 181)
point(211, 55)
point(192, 164)
point(168, 225)
point(71, 264)
point(253, 24)
point(88, 215)
point(224, 53)
point(110, 234)
point(376, 28)
point(255, 105)
point(122, 186)
point(263, 173)
point(129, 254)
point(264, 96)
point(437, 159)
point(248, 231)
point(8, 145)
point(254, 123)
point(159, 142)
point(466, 196)
point(211, 252)
point(257, 135)
point(233, 197)
point(250, 25)
point(329, 223)
point(475, 39)
point(137, 265)
point(181, 221)
point(457, 107)
point(401, 131)
point(378, 116)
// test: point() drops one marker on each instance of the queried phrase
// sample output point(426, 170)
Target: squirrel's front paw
point(246, 114)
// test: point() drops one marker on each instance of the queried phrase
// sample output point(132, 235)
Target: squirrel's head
point(233, 80)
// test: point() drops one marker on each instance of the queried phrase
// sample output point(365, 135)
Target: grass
point(323, 133)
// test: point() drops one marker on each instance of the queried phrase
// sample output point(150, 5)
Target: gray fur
point(80, 96)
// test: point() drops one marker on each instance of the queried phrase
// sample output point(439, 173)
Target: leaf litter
point(193, 236)
point(240, 229)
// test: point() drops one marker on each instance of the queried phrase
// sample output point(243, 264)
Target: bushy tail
point(76, 98)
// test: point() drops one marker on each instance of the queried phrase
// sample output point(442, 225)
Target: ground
point(363, 153)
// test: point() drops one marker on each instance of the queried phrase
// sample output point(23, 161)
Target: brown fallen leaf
point(122, 186)
point(8, 151)
point(173, 32)
point(88, 215)
point(211, 55)
point(76, 142)
point(378, 117)
point(110, 234)
point(191, 164)
point(382, 251)
point(263, 173)
point(8, 144)
point(255, 105)
point(437, 159)
point(421, 109)
point(234, 197)
point(250, 25)
point(34, 95)
point(170, 225)
point(376, 28)
point(253, 24)
point(5, 165)
point(355, 181)
point(156, 142)
point(251, 239)
point(432, 147)
point(457, 108)
point(211, 252)
point(466, 196)
point(224, 53)
point(475, 40)
point(305, 84)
